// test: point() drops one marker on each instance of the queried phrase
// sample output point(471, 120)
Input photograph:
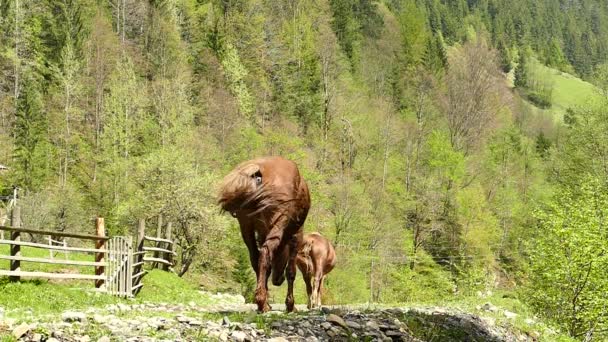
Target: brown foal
point(270, 200)
point(315, 259)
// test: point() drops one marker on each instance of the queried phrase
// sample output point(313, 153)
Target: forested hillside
point(432, 175)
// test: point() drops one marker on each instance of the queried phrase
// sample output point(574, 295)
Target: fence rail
point(55, 233)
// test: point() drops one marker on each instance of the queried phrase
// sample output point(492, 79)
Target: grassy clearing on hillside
point(570, 91)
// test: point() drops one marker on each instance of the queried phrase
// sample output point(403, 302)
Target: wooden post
point(168, 256)
point(141, 233)
point(159, 229)
point(50, 250)
point(15, 236)
point(100, 229)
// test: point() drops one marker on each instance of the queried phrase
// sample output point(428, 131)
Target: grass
point(42, 297)
point(569, 91)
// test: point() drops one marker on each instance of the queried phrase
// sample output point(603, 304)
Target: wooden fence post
point(139, 259)
point(159, 230)
point(15, 236)
point(100, 229)
point(169, 247)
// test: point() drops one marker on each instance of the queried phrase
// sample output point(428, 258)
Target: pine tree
point(521, 72)
point(30, 136)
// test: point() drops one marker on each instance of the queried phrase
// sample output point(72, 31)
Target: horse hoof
point(265, 308)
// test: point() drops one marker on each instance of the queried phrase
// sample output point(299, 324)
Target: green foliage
point(31, 145)
point(567, 282)
point(521, 71)
point(443, 159)
point(243, 275)
point(236, 73)
point(414, 34)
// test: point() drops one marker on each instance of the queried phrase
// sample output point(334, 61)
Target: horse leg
point(269, 248)
point(291, 273)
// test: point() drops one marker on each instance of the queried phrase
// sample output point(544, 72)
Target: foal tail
point(305, 253)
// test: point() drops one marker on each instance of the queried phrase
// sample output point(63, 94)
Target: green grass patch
point(570, 91)
point(43, 297)
point(167, 287)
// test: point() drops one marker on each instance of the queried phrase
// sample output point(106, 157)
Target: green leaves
point(569, 258)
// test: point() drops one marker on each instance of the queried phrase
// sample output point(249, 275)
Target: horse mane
point(239, 190)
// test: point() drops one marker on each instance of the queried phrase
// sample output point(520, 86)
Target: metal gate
point(119, 266)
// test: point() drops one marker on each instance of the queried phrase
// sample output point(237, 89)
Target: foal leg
point(291, 273)
point(320, 294)
point(317, 284)
point(308, 290)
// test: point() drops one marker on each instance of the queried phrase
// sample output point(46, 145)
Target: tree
point(568, 261)
point(31, 144)
point(474, 95)
point(521, 71)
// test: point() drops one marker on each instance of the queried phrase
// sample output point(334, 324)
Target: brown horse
point(315, 259)
point(270, 200)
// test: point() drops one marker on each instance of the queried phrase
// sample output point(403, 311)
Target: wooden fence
point(162, 251)
point(118, 268)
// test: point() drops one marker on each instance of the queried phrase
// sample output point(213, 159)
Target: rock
point(183, 319)
point(52, 339)
point(21, 330)
point(58, 334)
point(372, 325)
point(353, 325)
point(277, 339)
point(226, 321)
point(36, 338)
point(195, 323)
point(325, 310)
point(84, 338)
point(509, 314)
point(326, 325)
point(99, 319)
point(104, 339)
point(335, 319)
point(223, 336)
point(73, 316)
point(123, 307)
point(489, 307)
point(238, 336)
